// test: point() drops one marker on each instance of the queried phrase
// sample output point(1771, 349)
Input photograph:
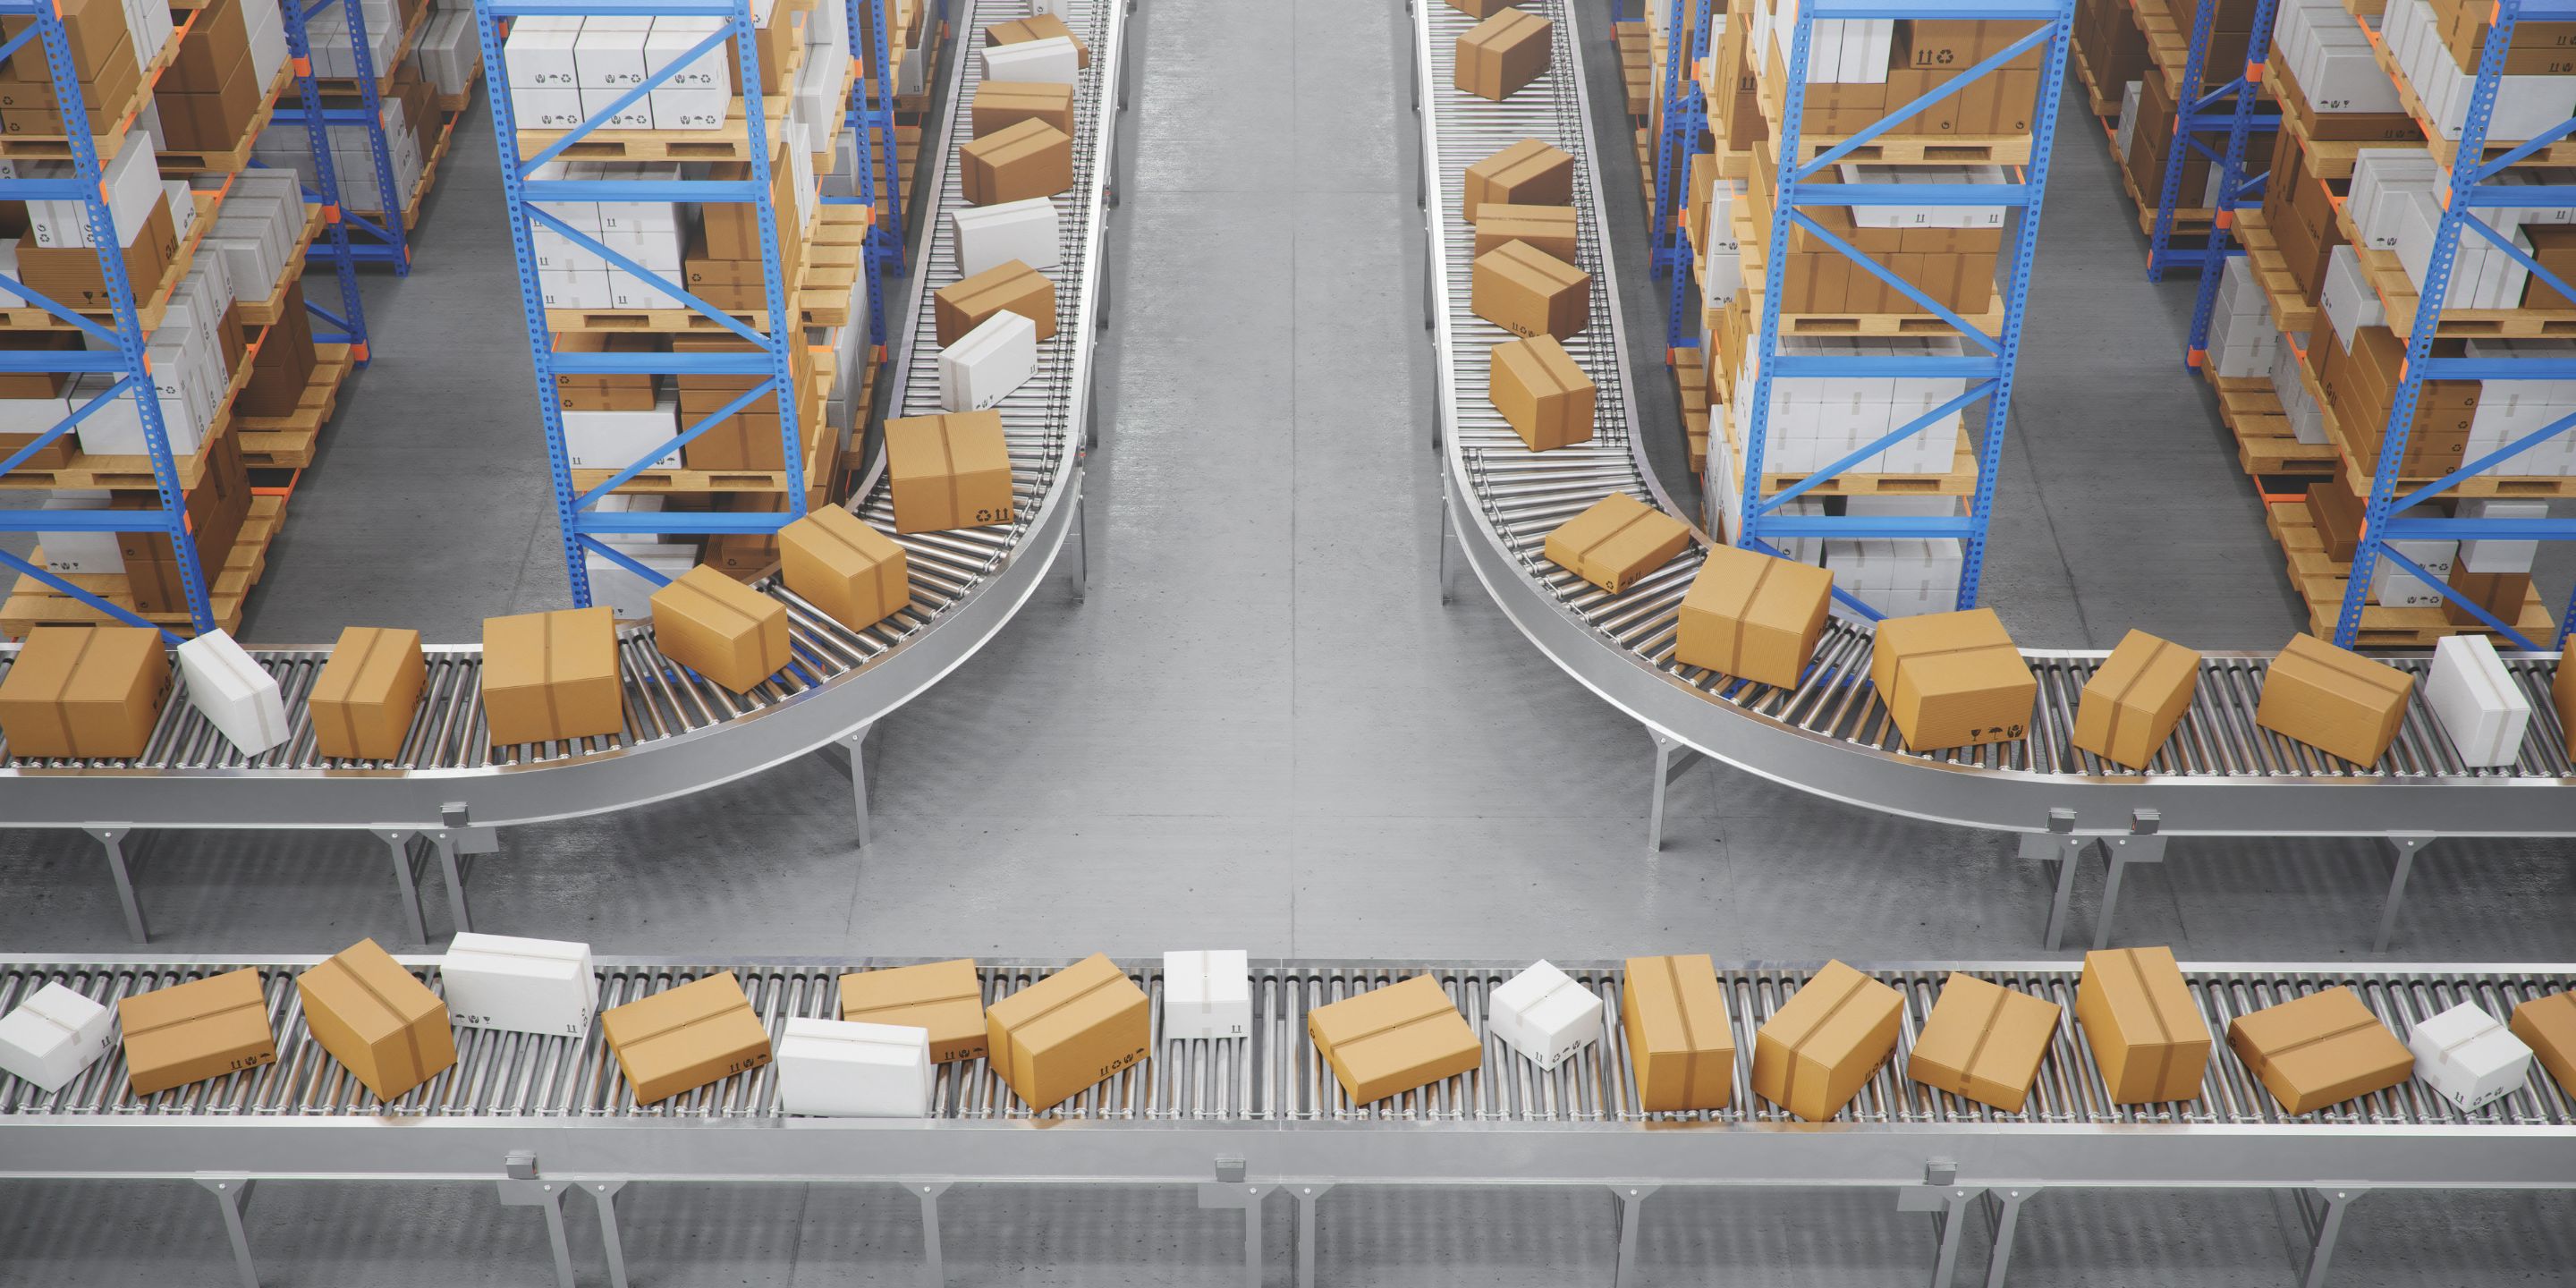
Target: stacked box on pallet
point(2242, 340)
point(2329, 57)
point(1903, 576)
point(2439, 59)
point(335, 55)
point(353, 160)
point(1817, 420)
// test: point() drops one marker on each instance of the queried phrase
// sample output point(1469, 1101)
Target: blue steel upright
point(385, 239)
point(1989, 375)
point(871, 116)
point(2472, 187)
point(1685, 119)
point(582, 525)
point(2196, 116)
point(2235, 187)
point(349, 325)
point(125, 361)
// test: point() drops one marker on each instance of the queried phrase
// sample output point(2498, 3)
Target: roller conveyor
point(2220, 775)
point(683, 734)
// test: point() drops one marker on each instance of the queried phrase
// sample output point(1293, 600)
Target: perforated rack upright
point(382, 240)
point(1684, 118)
point(1989, 375)
point(767, 359)
point(2228, 110)
point(349, 326)
point(871, 121)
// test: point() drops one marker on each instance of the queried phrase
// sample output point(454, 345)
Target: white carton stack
point(53, 1035)
point(2476, 702)
point(2380, 179)
point(696, 96)
point(2469, 1056)
point(2329, 56)
point(1545, 1014)
point(1943, 216)
point(2350, 301)
point(353, 159)
point(234, 692)
point(2128, 128)
point(847, 1069)
point(1207, 994)
point(651, 233)
point(133, 183)
point(2397, 588)
point(982, 237)
point(2483, 276)
point(519, 985)
point(335, 55)
point(1053, 61)
point(1728, 472)
point(1817, 420)
point(1722, 258)
point(2512, 410)
point(2492, 556)
point(83, 553)
point(613, 440)
point(447, 53)
point(545, 91)
point(1900, 576)
point(987, 363)
point(1840, 51)
point(256, 232)
point(2298, 406)
point(2525, 105)
point(2242, 339)
point(608, 63)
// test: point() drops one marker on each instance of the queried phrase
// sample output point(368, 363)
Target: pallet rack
point(2228, 110)
point(383, 236)
point(871, 125)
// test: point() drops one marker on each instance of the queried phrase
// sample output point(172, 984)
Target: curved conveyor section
point(682, 733)
point(2220, 775)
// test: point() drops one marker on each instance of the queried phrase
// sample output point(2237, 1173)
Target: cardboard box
point(989, 363)
point(70, 275)
point(1527, 292)
point(1015, 163)
point(721, 629)
point(550, 676)
point(1983, 1042)
point(1041, 26)
point(1207, 994)
point(1545, 1014)
point(2469, 1056)
point(1528, 173)
point(95, 29)
point(519, 985)
point(1480, 9)
point(833, 560)
point(1498, 56)
point(999, 105)
point(1824, 1044)
point(2147, 1035)
point(1543, 395)
point(379, 1022)
point(364, 700)
point(963, 305)
point(1952, 679)
point(1391, 1040)
point(2337, 514)
point(234, 693)
point(983, 238)
point(2333, 699)
point(1053, 58)
point(683, 1038)
point(84, 693)
point(2320, 1050)
point(190, 1032)
point(950, 471)
point(1681, 1041)
point(2500, 593)
point(2548, 1026)
point(2562, 698)
point(1552, 229)
point(1080, 1026)
point(2476, 702)
point(840, 1069)
point(945, 999)
point(1616, 541)
point(2134, 700)
point(1754, 616)
point(52, 1036)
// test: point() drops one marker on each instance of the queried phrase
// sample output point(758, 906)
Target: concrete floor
point(1263, 729)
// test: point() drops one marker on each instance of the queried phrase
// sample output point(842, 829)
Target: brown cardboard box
point(1391, 1040)
point(732, 228)
point(963, 305)
point(190, 1032)
point(683, 1038)
point(999, 105)
point(95, 28)
point(1498, 56)
point(1616, 541)
point(944, 998)
point(213, 43)
point(1042, 26)
point(1753, 616)
point(2537, 48)
point(1983, 1042)
point(33, 384)
point(2336, 511)
point(1952, 679)
point(1541, 393)
point(1823, 1044)
point(1528, 173)
point(70, 274)
point(2146, 1033)
point(833, 560)
point(1547, 228)
point(549, 676)
point(382, 1024)
point(1480, 9)
point(85, 692)
point(951, 471)
point(1015, 163)
point(364, 700)
point(216, 507)
point(107, 101)
point(2562, 697)
point(2334, 700)
point(2500, 593)
point(720, 628)
point(2554, 245)
point(1072, 1029)
point(217, 118)
point(1527, 291)
point(2322, 1049)
point(2135, 699)
point(2548, 1026)
point(1681, 1042)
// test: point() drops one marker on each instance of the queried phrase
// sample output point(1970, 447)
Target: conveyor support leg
point(398, 843)
point(2003, 1218)
point(855, 742)
point(2405, 847)
point(1081, 548)
point(455, 841)
point(1625, 1202)
point(1309, 1194)
point(1448, 535)
point(2143, 844)
point(1672, 760)
point(2321, 1210)
point(111, 842)
point(1947, 1201)
point(2061, 846)
point(934, 1267)
point(232, 1194)
point(604, 1194)
point(547, 1195)
point(1231, 1190)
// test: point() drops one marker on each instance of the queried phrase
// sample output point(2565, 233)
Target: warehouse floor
point(1262, 729)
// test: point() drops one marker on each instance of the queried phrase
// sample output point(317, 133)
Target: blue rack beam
point(2227, 110)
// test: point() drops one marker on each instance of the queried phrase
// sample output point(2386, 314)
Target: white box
point(82, 553)
point(987, 363)
point(2501, 556)
point(2397, 588)
point(133, 186)
point(234, 692)
point(1053, 60)
point(2469, 1056)
point(552, 107)
point(519, 985)
point(1544, 1014)
point(541, 54)
point(613, 440)
point(53, 1035)
point(606, 57)
point(1207, 994)
point(984, 237)
point(637, 115)
point(2476, 702)
point(2351, 303)
point(688, 107)
point(846, 1069)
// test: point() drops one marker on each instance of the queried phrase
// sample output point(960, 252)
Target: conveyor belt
point(683, 734)
point(1270, 1099)
point(2221, 775)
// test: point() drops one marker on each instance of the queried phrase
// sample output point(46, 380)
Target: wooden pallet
point(820, 288)
point(2292, 310)
point(58, 147)
point(2265, 447)
point(1748, 237)
point(729, 142)
point(2397, 292)
point(463, 98)
point(1690, 379)
point(179, 165)
point(131, 472)
point(287, 442)
point(273, 309)
point(2101, 103)
point(820, 445)
point(1961, 480)
point(2190, 223)
point(2167, 27)
point(2322, 580)
point(33, 603)
point(151, 304)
